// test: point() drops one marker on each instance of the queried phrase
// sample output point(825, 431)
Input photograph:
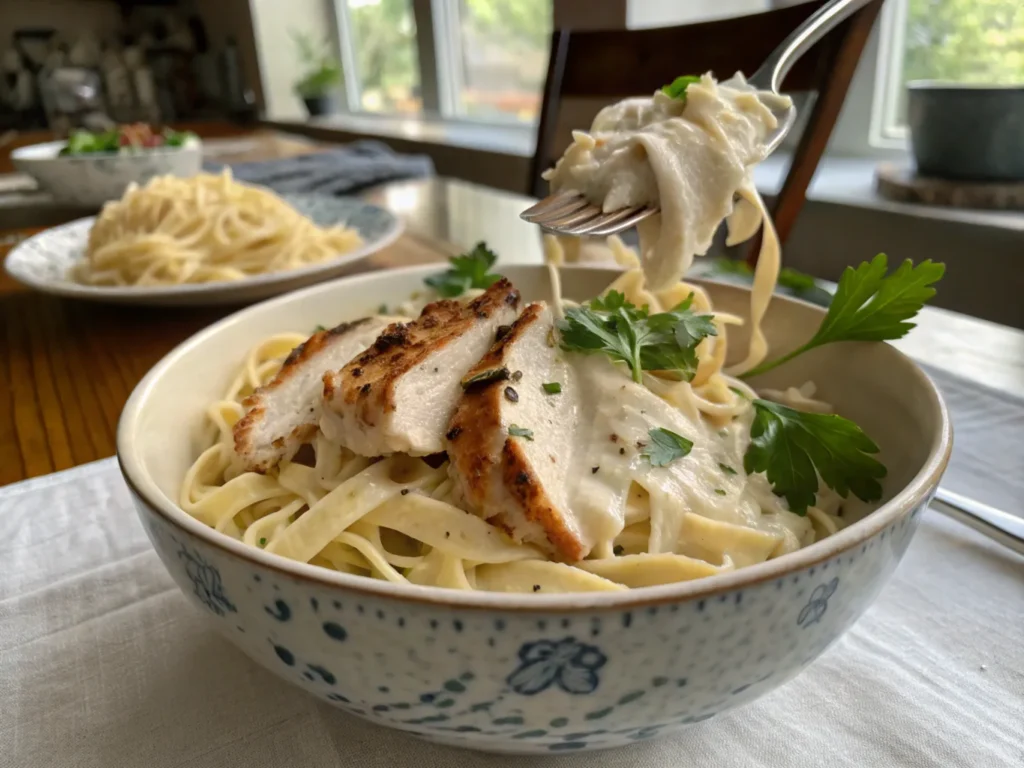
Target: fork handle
point(770, 75)
point(1000, 526)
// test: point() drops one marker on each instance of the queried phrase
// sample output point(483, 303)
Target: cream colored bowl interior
point(871, 383)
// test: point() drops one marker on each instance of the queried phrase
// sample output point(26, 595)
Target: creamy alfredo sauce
point(704, 503)
point(693, 159)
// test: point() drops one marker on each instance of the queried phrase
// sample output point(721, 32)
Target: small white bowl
point(94, 179)
point(541, 674)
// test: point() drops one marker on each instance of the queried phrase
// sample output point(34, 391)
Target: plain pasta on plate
point(203, 229)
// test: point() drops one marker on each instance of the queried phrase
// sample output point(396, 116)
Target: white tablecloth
point(103, 664)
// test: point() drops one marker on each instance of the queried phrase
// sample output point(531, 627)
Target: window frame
point(885, 132)
point(439, 47)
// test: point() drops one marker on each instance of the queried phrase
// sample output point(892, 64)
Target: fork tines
point(569, 213)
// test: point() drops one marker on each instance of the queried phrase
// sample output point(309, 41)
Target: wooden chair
point(594, 68)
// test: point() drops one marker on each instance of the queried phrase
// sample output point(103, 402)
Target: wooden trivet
point(902, 184)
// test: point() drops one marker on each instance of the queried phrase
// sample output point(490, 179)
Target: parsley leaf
point(692, 329)
point(552, 387)
point(486, 377)
point(793, 448)
point(665, 447)
point(677, 88)
point(629, 334)
point(516, 431)
point(871, 306)
point(470, 270)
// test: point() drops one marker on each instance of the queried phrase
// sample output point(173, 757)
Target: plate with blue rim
point(44, 262)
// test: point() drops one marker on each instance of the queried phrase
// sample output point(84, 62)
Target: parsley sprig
point(666, 341)
point(677, 88)
point(871, 306)
point(793, 448)
point(665, 447)
point(470, 270)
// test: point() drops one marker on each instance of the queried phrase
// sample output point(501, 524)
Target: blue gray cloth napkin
point(343, 171)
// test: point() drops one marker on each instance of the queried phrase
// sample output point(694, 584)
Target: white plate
point(43, 261)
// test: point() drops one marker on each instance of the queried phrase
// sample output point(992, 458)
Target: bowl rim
point(193, 143)
point(67, 287)
point(917, 492)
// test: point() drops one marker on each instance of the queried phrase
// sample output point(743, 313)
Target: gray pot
point(967, 132)
point(324, 104)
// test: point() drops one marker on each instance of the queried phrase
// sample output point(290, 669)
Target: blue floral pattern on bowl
point(569, 664)
point(206, 582)
point(817, 605)
point(530, 681)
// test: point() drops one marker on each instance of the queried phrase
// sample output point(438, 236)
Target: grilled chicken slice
point(283, 415)
point(520, 480)
point(399, 395)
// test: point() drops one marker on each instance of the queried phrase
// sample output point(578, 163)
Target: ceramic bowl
point(92, 180)
point(539, 674)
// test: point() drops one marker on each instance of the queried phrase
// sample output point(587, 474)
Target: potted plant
point(322, 74)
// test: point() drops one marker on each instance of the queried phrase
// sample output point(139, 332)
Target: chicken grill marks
point(497, 474)
point(283, 414)
point(398, 395)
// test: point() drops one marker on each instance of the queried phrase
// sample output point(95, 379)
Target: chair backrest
point(589, 69)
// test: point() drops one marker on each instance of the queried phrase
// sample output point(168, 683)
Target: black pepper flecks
point(622, 451)
point(405, 491)
point(502, 332)
point(593, 470)
point(365, 389)
point(536, 587)
point(517, 376)
point(511, 395)
point(522, 478)
point(454, 432)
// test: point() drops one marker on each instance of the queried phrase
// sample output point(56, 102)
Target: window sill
point(851, 181)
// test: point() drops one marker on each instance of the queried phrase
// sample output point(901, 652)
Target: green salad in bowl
point(124, 139)
point(89, 168)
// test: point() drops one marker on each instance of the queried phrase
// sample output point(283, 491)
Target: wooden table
point(67, 367)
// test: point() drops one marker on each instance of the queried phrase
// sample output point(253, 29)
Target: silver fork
point(999, 526)
point(569, 213)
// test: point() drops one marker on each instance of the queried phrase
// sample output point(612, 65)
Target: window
point(965, 41)
point(383, 51)
point(469, 59)
point(503, 47)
